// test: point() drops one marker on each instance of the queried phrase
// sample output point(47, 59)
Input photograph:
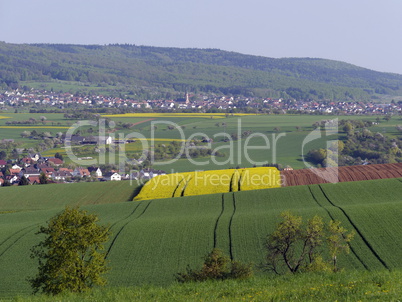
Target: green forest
point(143, 71)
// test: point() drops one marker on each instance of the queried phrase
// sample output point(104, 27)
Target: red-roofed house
point(33, 180)
point(26, 161)
point(14, 171)
point(47, 170)
point(81, 172)
point(55, 161)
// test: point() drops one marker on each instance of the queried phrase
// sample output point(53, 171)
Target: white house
point(112, 176)
point(96, 171)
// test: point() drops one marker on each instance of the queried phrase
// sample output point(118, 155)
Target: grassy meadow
point(154, 239)
point(344, 286)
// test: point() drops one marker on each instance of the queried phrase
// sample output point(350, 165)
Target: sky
point(366, 33)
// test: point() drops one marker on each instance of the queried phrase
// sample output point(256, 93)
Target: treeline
point(360, 146)
point(159, 70)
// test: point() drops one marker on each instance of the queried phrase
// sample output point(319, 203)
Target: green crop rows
point(154, 239)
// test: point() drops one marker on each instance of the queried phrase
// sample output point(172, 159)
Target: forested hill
point(160, 71)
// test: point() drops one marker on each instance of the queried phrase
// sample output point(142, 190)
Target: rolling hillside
point(30, 198)
point(154, 239)
point(145, 71)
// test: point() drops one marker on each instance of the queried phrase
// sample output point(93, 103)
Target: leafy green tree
point(69, 257)
point(3, 155)
point(294, 247)
point(281, 244)
point(58, 155)
point(317, 156)
point(338, 241)
point(23, 181)
point(348, 128)
point(43, 179)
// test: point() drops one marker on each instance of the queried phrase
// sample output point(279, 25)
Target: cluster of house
point(35, 165)
point(200, 102)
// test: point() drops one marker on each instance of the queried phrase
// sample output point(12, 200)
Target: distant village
point(36, 169)
point(204, 103)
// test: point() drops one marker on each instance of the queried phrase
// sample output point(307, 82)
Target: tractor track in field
point(177, 187)
point(125, 224)
point(135, 209)
point(356, 228)
point(230, 227)
point(217, 221)
point(23, 231)
point(332, 218)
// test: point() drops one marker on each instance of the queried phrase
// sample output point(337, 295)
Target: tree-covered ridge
point(198, 70)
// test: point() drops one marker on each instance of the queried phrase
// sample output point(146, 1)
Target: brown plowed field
point(340, 174)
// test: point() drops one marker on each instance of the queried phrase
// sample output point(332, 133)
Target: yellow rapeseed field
point(210, 182)
point(260, 178)
point(3, 117)
point(197, 115)
point(162, 186)
point(234, 185)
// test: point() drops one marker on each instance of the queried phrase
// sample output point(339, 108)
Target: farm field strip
point(210, 182)
point(256, 216)
point(358, 246)
point(183, 233)
point(342, 174)
point(368, 216)
point(356, 228)
point(25, 198)
point(379, 226)
point(166, 115)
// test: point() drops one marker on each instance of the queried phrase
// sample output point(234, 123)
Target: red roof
point(56, 161)
point(33, 179)
point(15, 171)
point(3, 162)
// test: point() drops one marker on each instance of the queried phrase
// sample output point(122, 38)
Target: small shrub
point(217, 266)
